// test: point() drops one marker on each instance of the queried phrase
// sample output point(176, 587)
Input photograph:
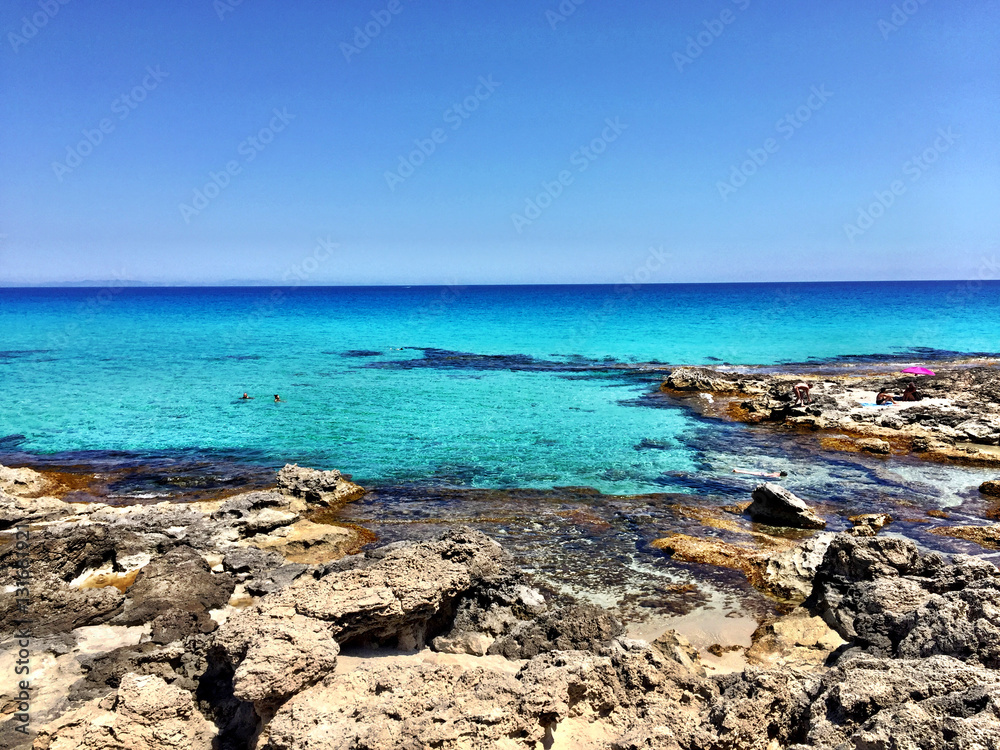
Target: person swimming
point(277, 399)
point(245, 397)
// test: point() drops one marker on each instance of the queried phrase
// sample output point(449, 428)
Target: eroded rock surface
point(327, 487)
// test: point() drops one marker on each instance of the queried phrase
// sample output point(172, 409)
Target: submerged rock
point(776, 506)
point(990, 487)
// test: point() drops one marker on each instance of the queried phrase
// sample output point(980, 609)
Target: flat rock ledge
point(150, 638)
point(957, 419)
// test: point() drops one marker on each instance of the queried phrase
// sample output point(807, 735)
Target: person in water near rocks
point(884, 398)
point(910, 394)
point(277, 399)
point(801, 390)
point(245, 397)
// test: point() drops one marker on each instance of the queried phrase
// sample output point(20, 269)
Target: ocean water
point(474, 386)
point(444, 399)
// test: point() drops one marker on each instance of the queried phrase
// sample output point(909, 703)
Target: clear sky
point(438, 141)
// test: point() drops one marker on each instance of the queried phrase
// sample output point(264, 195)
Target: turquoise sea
point(372, 384)
point(422, 392)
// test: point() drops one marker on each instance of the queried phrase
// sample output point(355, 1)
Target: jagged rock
point(757, 707)
point(990, 487)
point(776, 506)
point(181, 663)
point(627, 698)
point(314, 486)
point(577, 627)
point(146, 714)
point(890, 600)
point(57, 608)
point(934, 703)
point(414, 706)
point(277, 659)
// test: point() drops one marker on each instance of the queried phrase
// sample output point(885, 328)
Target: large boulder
point(401, 595)
point(776, 506)
point(889, 599)
point(327, 487)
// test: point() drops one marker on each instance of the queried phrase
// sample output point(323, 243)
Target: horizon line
point(135, 284)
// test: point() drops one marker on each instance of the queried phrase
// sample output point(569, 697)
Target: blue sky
point(743, 140)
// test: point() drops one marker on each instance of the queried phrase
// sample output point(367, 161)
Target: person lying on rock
point(883, 399)
point(801, 391)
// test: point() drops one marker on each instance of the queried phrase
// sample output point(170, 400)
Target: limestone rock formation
point(314, 486)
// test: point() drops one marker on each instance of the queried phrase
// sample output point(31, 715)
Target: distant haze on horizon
point(397, 142)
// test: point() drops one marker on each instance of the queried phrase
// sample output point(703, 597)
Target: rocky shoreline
point(956, 420)
point(241, 623)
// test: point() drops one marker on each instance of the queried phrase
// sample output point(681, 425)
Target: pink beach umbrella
point(919, 371)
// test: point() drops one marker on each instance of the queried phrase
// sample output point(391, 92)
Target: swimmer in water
point(245, 397)
point(277, 399)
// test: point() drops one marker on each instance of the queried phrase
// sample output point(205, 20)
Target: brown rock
point(990, 487)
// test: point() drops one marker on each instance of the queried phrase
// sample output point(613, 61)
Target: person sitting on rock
point(883, 399)
point(801, 391)
point(910, 394)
